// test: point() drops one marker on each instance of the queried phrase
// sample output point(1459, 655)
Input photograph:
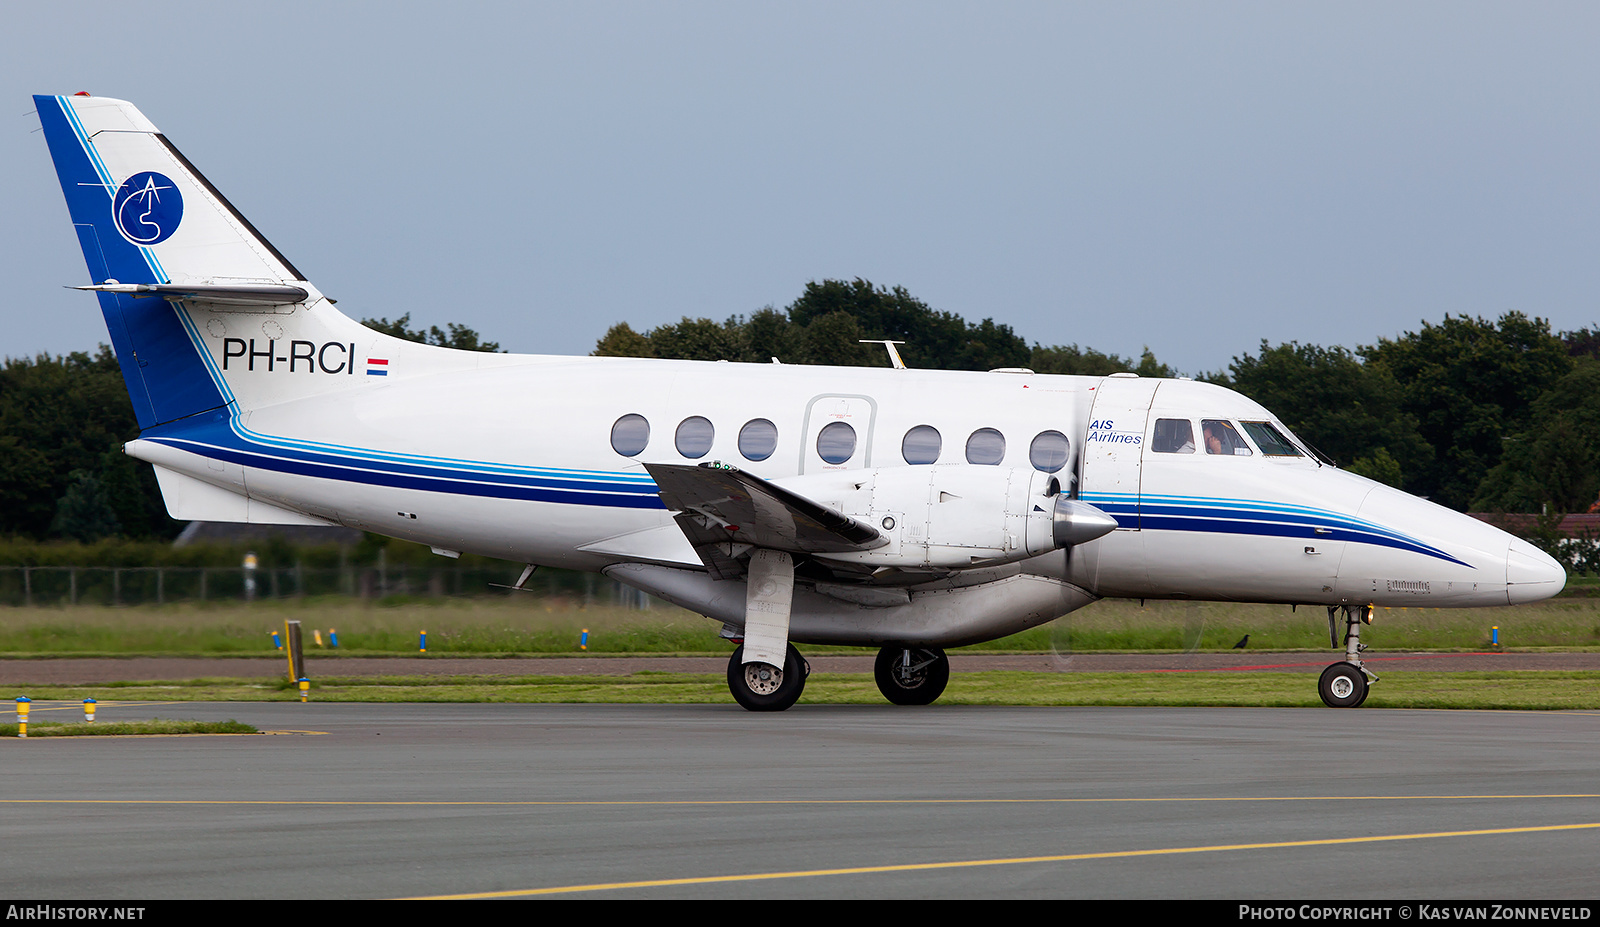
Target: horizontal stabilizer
point(233, 295)
point(724, 512)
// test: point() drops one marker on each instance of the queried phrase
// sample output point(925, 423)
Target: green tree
point(1556, 460)
point(459, 337)
point(1585, 342)
point(698, 339)
point(1348, 410)
point(1470, 383)
point(84, 512)
point(933, 339)
point(65, 414)
point(823, 326)
point(769, 334)
point(835, 339)
point(1075, 361)
point(622, 341)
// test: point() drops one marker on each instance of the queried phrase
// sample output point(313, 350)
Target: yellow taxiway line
point(1013, 861)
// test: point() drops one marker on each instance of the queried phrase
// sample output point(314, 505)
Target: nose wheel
point(1345, 685)
point(911, 675)
point(1342, 686)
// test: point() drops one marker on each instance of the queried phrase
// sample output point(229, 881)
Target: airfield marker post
point(422, 643)
point(297, 657)
point(88, 710)
point(583, 642)
point(305, 690)
point(23, 704)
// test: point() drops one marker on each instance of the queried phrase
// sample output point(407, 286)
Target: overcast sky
point(1191, 177)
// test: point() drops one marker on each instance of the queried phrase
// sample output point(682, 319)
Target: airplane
point(904, 509)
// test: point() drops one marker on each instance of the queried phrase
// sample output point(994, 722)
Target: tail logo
point(147, 208)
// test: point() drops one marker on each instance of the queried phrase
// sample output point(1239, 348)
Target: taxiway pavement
point(400, 800)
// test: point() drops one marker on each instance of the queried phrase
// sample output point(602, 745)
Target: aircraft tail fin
point(166, 254)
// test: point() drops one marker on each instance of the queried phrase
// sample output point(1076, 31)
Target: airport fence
point(30, 586)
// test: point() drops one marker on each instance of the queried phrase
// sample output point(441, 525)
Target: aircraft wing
point(726, 512)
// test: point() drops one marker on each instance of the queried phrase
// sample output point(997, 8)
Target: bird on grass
point(1242, 642)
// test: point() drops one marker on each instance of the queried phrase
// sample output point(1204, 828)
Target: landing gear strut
point(764, 687)
point(911, 675)
point(1345, 685)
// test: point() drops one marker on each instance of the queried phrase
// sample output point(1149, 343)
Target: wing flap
point(725, 513)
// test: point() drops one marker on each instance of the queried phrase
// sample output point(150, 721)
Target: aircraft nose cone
point(1531, 574)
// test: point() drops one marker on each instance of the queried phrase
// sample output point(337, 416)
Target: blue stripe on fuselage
point(215, 436)
point(1250, 517)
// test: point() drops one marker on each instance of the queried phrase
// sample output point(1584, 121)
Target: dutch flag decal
point(377, 366)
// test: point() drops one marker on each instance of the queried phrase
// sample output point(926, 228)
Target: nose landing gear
point(1345, 685)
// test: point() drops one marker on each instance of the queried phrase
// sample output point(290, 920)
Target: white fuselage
point(515, 459)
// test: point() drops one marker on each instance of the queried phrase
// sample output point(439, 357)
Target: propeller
point(1080, 632)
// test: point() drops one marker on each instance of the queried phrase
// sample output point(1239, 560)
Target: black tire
point(923, 685)
point(753, 687)
point(1342, 685)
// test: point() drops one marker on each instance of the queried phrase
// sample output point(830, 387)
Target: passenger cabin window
point(1173, 436)
point(836, 442)
point(758, 439)
point(986, 447)
point(921, 445)
point(694, 437)
point(630, 434)
point(1048, 451)
point(1271, 441)
point(1222, 438)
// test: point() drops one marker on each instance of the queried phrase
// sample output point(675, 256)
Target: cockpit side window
point(1271, 441)
point(1222, 438)
point(1173, 436)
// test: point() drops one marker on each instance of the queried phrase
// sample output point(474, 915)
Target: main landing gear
point(1345, 685)
point(764, 687)
point(911, 675)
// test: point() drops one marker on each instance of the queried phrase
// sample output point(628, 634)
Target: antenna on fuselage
point(894, 356)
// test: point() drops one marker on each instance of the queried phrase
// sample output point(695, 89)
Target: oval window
point(1048, 451)
point(836, 442)
point(630, 434)
point(758, 439)
point(986, 446)
point(921, 445)
point(694, 437)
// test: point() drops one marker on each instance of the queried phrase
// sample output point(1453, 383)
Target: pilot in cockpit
point(1221, 438)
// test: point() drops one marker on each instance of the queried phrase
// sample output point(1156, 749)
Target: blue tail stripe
point(165, 374)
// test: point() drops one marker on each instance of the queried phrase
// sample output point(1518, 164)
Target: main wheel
point(1342, 686)
point(764, 687)
point(911, 675)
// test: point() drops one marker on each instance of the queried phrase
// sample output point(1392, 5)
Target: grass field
point(1470, 690)
point(493, 624)
point(125, 728)
point(521, 625)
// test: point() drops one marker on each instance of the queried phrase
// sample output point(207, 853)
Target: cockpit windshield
point(1271, 441)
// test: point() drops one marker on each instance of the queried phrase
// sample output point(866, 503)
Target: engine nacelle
point(953, 516)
